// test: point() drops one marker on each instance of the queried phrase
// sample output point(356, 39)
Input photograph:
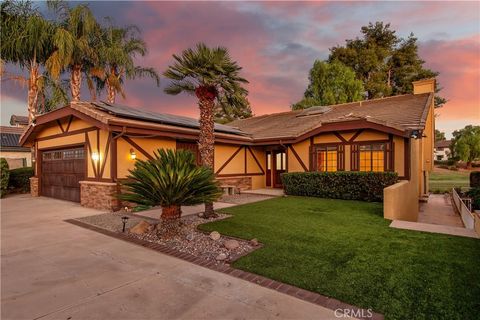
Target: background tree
point(26, 41)
point(77, 39)
point(230, 108)
point(385, 63)
point(466, 144)
point(439, 135)
point(208, 73)
point(330, 83)
point(117, 54)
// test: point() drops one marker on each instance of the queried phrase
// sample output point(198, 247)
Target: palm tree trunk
point(32, 92)
point(170, 219)
point(110, 88)
point(206, 143)
point(76, 81)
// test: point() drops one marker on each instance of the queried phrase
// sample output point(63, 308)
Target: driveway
point(54, 270)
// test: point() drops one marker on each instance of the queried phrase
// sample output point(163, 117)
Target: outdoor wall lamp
point(124, 221)
point(133, 155)
point(95, 156)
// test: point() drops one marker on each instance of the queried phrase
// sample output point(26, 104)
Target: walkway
point(275, 192)
point(437, 216)
point(55, 270)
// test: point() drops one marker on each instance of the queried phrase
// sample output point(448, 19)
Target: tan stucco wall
point(223, 153)
point(400, 201)
point(399, 155)
point(369, 135)
point(302, 149)
point(14, 158)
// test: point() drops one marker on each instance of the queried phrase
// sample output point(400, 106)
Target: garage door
point(61, 172)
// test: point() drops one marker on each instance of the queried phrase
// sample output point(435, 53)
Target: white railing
point(467, 216)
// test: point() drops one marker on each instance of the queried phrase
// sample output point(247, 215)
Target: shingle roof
point(21, 120)
point(10, 137)
point(403, 112)
point(443, 144)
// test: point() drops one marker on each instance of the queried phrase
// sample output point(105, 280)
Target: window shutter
point(354, 157)
point(312, 164)
point(341, 157)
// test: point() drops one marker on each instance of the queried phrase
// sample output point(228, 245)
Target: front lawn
point(345, 249)
point(442, 181)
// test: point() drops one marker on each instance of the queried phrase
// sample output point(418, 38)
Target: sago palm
point(77, 38)
point(26, 41)
point(208, 73)
point(170, 180)
point(117, 53)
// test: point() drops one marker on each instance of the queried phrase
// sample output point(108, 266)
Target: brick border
point(299, 293)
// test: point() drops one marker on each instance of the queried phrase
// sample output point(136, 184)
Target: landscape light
point(124, 221)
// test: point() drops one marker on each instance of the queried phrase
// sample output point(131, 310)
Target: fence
point(467, 216)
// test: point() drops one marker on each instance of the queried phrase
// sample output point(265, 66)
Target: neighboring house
point(84, 149)
point(10, 149)
point(18, 121)
point(442, 150)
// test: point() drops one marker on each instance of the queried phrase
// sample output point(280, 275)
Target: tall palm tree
point(26, 42)
point(117, 52)
point(77, 38)
point(208, 73)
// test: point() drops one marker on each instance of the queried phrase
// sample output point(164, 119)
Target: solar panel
point(163, 118)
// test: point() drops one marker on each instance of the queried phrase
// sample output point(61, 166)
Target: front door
point(279, 167)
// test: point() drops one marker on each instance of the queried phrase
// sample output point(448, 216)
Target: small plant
point(474, 193)
point(170, 180)
point(475, 179)
point(4, 177)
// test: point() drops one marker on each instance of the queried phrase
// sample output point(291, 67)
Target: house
point(18, 121)
point(10, 149)
point(442, 150)
point(84, 149)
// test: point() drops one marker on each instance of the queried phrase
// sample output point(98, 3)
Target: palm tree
point(232, 107)
point(208, 73)
point(170, 180)
point(77, 38)
point(26, 42)
point(119, 48)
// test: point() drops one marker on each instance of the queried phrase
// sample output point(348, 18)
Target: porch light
point(133, 155)
point(95, 156)
point(124, 221)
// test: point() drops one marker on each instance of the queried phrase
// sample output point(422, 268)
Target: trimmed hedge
point(4, 176)
point(474, 193)
point(20, 178)
point(347, 185)
point(475, 179)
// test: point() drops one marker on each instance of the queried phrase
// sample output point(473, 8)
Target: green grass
point(345, 249)
point(441, 182)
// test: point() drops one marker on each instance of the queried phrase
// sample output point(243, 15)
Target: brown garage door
point(61, 172)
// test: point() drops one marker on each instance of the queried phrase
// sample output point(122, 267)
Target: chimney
point(424, 86)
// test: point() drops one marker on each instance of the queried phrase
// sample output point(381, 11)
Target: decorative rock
point(153, 227)
point(141, 227)
point(231, 244)
point(190, 237)
point(215, 235)
point(254, 242)
point(201, 214)
point(221, 257)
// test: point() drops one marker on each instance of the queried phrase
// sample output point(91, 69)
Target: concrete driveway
point(54, 270)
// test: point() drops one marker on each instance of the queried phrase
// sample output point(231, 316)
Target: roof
point(19, 120)
point(10, 137)
point(443, 144)
point(402, 113)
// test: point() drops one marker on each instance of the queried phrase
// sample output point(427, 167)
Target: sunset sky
point(277, 42)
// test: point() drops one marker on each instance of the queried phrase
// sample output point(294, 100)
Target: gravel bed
point(244, 198)
point(188, 239)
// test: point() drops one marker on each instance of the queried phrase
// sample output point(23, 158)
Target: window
point(372, 157)
point(280, 161)
point(63, 154)
point(327, 158)
point(269, 161)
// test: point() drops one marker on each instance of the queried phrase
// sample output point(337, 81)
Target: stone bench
point(229, 190)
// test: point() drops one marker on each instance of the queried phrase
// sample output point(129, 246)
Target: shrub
point(474, 193)
point(367, 186)
point(475, 179)
point(20, 178)
point(4, 176)
point(453, 168)
point(449, 162)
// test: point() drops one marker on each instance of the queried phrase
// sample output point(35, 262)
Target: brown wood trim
point(407, 156)
point(70, 119)
point(339, 136)
point(238, 175)
point(60, 125)
point(228, 160)
point(66, 134)
point(355, 136)
point(295, 154)
point(136, 146)
point(87, 141)
point(99, 179)
point(107, 148)
point(286, 159)
point(256, 160)
point(63, 146)
point(113, 158)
